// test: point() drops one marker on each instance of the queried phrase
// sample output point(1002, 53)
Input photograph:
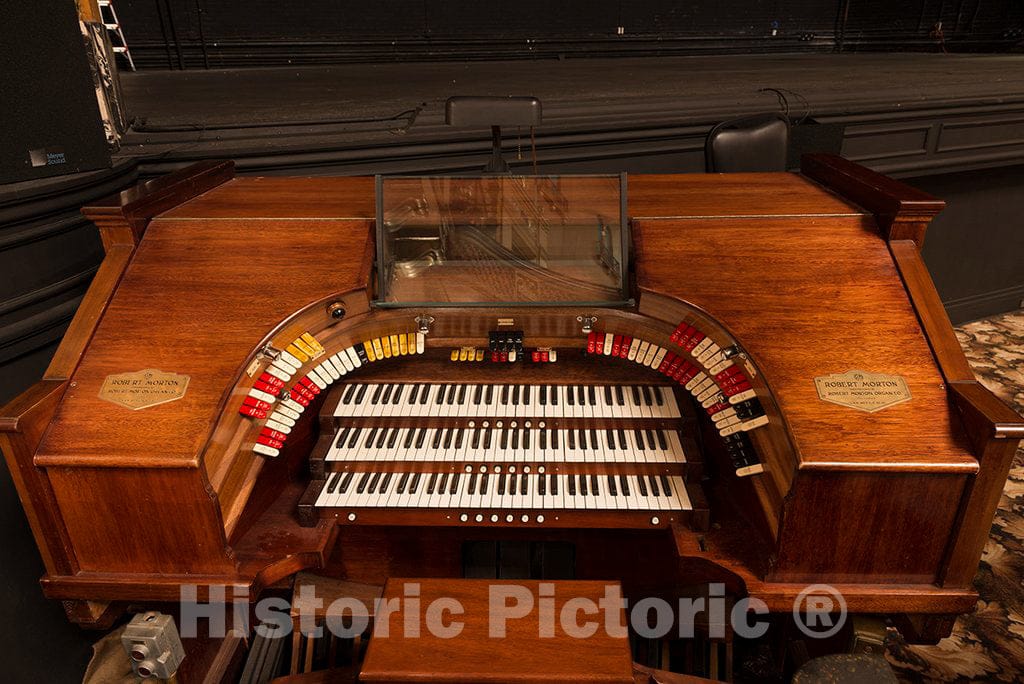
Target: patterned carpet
point(988, 645)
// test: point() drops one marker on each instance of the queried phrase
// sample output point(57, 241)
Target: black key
point(639, 435)
point(353, 438)
point(350, 391)
point(487, 439)
point(657, 396)
point(542, 485)
point(648, 399)
point(504, 440)
point(526, 395)
point(489, 395)
point(650, 439)
point(455, 484)
point(653, 481)
point(666, 488)
point(542, 393)
point(526, 438)
point(594, 489)
point(332, 484)
point(620, 399)
point(397, 397)
point(442, 483)
point(424, 394)
point(636, 395)
point(452, 389)
point(612, 489)
point(373, 483)
point(570, 396)
point(624, 485)
point(554, 396)
point(341, 437)
point(408, 438)
point(524, 485)
point(554, 485)
point(504, 395)
point(363, 481)
point(515, 439)
point(609, 438)
point(472, 485)
point(572, 485)
point(592, 395)
point(515, 395)
point(593, 437)
point(393, 438)
point(512, 484)
point(581, 396)
point(475, 442)
point(662, 440)
point(640, 483)
point(421, 436)
point(345, 482)
point(440, 395)
point(360, 393)
point(501, 485)
point(402, 481)
point(431, 482)
point(554, 438)
point(381, 436)
point(608, 395)
point(477, 394)
point(543, 439)
point(412, 394)
point(583, 485)
point(583, 439)
point(415, 482)
point(462, 394)
point(385, 483)
point(386, 397)
point(572, 440)
point(622, 439)
point(483, 483)
point(376, 394)
point(448, 434)
point(459, 434)
point(369, 438)
point(436, 444)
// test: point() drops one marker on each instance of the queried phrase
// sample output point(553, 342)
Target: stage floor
point(246, 112)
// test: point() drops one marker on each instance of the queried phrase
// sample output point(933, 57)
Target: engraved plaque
point(143, 388)
point(861, 390)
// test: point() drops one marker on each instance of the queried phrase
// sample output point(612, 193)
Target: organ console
point(741, 378)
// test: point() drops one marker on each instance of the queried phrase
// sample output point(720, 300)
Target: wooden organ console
point(772, 397)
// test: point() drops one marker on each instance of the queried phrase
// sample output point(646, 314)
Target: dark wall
point(975, 247)
point(173, 34)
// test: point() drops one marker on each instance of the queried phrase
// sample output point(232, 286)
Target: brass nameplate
point(143, 388)
point(861, 390)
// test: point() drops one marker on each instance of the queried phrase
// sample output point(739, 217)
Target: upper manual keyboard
point(507, 401)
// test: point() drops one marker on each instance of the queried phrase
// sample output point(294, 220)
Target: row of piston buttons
point(495, 518)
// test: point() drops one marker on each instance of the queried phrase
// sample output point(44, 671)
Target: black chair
point(751, 143)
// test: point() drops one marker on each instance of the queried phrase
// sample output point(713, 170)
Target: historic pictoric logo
point(143, 388)
point(861, 390)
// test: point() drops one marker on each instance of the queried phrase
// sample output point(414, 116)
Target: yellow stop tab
point(297, 353)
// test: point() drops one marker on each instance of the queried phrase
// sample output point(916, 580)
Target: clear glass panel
point(493, 240)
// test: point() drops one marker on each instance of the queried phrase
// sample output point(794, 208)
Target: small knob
point(336, 310)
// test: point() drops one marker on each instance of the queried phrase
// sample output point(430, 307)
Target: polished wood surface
point(811, 275)
point(521, 655)
point(808, 297)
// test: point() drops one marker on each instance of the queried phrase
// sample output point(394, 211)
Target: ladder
point(109, 17)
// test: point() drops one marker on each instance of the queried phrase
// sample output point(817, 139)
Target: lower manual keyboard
point(558, 500)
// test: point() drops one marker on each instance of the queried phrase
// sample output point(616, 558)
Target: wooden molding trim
point(902, 212)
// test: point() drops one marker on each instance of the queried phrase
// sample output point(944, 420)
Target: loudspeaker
point(50, 119)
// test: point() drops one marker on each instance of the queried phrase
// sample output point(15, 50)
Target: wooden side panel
point(22, 423)
point(139, 520)
point(867, 527)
